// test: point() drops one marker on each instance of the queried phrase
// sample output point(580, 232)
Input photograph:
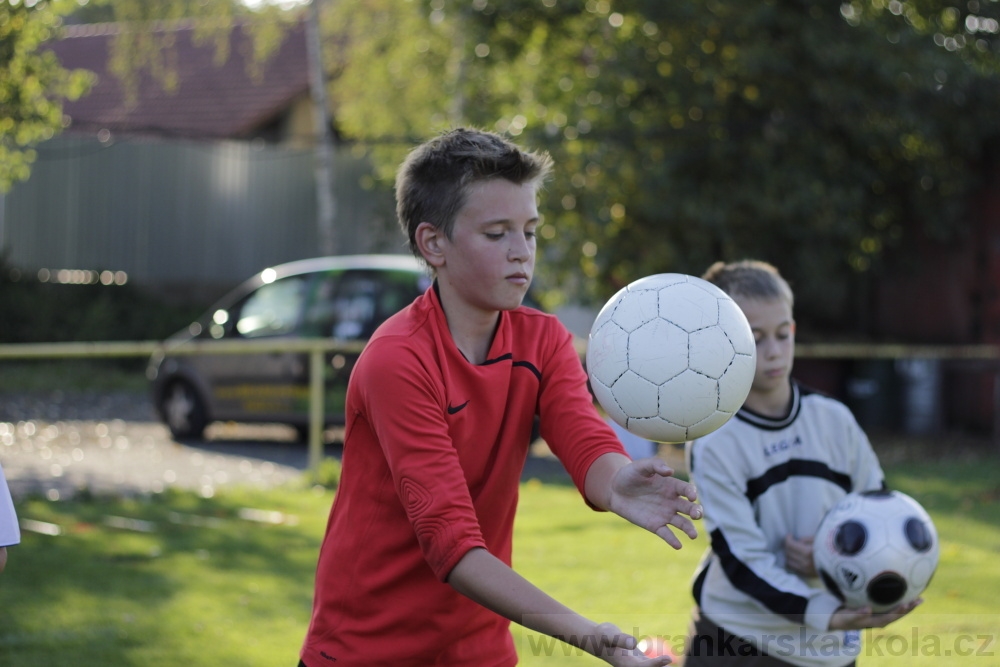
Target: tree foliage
point(32, 84)
point(820, 137)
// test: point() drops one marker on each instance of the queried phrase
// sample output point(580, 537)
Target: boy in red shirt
point(415, 565)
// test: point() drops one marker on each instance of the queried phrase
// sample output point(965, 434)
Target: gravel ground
point(75, 406)
point(57, 444)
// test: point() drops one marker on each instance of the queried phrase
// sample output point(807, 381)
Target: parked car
point(342, 298)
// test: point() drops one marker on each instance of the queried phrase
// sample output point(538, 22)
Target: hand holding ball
point(877, 549)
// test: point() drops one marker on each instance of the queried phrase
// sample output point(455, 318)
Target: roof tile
point(211, 101)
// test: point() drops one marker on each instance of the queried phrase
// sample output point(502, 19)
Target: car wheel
point(183, 411)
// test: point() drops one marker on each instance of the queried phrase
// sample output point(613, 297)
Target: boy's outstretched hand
point(646, 493)
point(620, 649)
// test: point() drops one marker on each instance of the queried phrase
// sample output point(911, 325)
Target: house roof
point(211, 100)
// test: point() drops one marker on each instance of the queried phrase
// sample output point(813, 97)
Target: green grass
point(202, 584)
point(74, 375)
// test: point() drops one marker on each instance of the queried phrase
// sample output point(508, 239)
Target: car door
point(267, 386)
point(349, 306)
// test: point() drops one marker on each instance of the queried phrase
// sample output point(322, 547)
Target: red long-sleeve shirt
point(433, 454)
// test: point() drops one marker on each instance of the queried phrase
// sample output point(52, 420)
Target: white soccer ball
point(671, 357)
point(876, 549)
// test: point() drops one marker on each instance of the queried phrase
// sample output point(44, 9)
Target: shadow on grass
point(126, 577)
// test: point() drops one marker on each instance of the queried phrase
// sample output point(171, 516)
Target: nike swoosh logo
point(453, 409)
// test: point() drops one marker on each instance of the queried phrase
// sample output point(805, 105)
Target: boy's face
point(774, 330)
point(489, 260)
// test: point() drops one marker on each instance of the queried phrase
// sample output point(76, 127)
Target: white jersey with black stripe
point(760, 479)
point(10, 533)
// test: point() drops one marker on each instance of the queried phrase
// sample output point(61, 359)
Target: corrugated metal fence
point(183, 213)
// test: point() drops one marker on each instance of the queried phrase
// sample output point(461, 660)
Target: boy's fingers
point(668, 536)
point(693, 510)
point(688, 490)
point(684, 525)
point(655, 464)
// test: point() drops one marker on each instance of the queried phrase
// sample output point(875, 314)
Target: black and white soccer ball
point(877, 549)
point(671, 357)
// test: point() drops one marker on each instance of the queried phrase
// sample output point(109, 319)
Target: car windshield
point(273, 309)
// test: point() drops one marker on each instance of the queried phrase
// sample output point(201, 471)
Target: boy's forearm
point(485, 579)
point(597, 486)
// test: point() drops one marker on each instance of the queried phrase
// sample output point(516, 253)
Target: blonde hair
point(750, 279)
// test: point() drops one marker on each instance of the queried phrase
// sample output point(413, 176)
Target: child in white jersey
point(9, 532)
point(765, 479)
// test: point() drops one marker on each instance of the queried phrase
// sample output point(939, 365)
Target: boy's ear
point(429, 241)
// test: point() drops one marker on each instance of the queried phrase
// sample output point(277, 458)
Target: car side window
point(321, 311)
point(355, 304)
point(398, 289)
point(273, 309)
point(351, 304)
point(374, 296)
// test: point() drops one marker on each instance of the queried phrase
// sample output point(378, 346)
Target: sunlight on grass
point(601, 567)
point(176, 579)
point(219, 590)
